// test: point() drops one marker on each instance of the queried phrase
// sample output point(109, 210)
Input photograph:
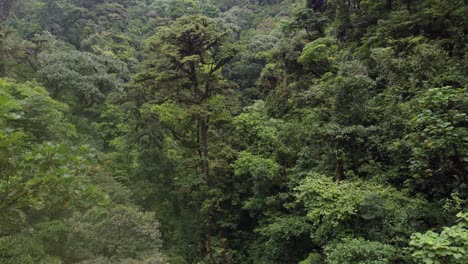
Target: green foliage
point(449, 246)
point(113, 45)
point(313, 258)
point(29, 107)
point(318, 55)
point(176, 8)
point(263, 173)
point(287, 228)
point(16, 59)
point(80, 78)
point(259, 133)
point(350, 251)
point(48, 176)
point(41, 181)
point(23, 249)
point(236, 19)
point(37, 176)
point(120, 235)
point(439, 138)
point(245, 131)
point(328, 201)
point(332, 207)
point(308, 18)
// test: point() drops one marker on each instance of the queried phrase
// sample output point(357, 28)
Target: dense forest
point(233, 131)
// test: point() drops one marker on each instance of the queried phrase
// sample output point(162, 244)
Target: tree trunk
point(316, 5)
point(339, 166)
point(209, 246)
point(389, 4)
point(203, 150)
point(2, 55)
point(225, 256)
point(203, 126)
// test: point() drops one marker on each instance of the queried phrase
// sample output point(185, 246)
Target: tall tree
point(190, 55)
point(185, 68)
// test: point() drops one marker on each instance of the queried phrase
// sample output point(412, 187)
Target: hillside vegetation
point(233, 131)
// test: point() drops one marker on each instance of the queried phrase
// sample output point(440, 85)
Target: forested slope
point(233, 131)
